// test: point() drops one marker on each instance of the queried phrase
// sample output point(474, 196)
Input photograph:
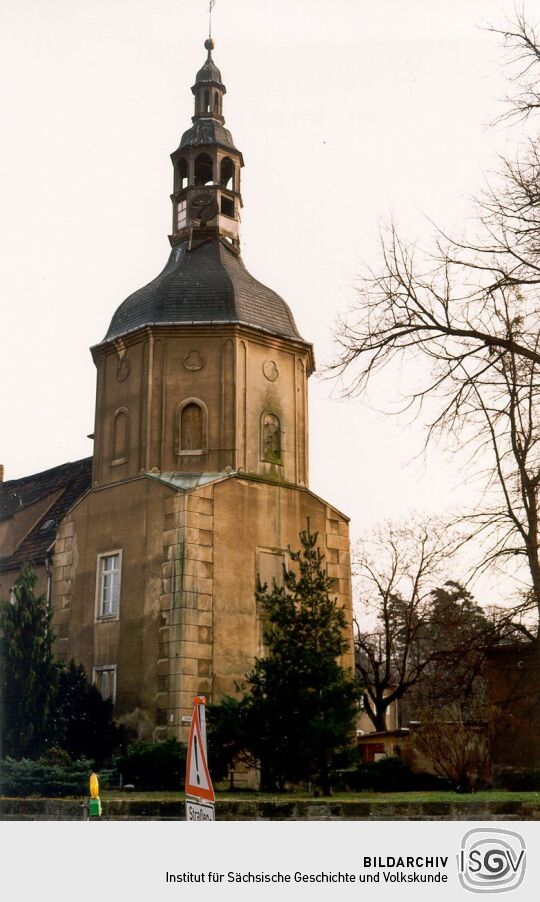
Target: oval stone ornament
point(270, 370)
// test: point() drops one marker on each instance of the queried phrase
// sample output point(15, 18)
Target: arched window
point(120, 438)
point(216, 103)
point(270, 438)
point(227, 173)
point(182, 174)
point(204, 170)
point(206, 102)
point(191, 427)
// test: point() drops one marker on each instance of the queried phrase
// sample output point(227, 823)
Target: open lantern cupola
point(206, 197)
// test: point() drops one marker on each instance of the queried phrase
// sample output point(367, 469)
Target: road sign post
point(200, 796)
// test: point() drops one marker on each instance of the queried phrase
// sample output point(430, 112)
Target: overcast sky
point(346, 112)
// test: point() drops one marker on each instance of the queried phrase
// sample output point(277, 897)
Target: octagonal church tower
point(200, 466)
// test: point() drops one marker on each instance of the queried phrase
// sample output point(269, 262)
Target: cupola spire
point(206, 197)
point(209, 88)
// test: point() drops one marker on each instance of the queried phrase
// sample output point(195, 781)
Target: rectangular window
point(109, 572)
point(181, 214)
point(105, 680)
point(227, 206)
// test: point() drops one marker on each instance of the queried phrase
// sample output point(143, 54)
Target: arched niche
point(271, 444)
point(183, 175)
point(191, 427)
point(120, 437)
point(204, 170)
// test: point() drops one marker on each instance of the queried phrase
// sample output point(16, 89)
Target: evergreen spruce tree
point(28, 685)
point(298, 717)
point(82, 724)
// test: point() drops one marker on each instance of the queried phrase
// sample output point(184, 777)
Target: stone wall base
point(286, 810)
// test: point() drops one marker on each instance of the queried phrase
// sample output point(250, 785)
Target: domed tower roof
point(207, 131)
point(209, 72)
point(208, 284)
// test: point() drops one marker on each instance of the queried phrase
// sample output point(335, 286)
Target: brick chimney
point(1, 472)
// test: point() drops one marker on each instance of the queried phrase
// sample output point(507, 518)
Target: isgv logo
point(491, 861)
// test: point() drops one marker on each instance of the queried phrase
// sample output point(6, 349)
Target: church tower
point(200, 466)
point(203, 369)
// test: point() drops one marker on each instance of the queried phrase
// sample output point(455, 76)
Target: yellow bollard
point(94, 807)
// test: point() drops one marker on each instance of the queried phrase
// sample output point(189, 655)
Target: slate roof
point(209, 72)
point(208, 284)
point(206, 131)
point(72, 479)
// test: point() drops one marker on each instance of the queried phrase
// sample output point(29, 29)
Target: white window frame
point(105, 668)
point(99, 585)
point(181, 214)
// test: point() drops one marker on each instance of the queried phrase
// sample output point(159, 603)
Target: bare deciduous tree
point(396, 569)
point(412, 629)
point(471, 311)
point(522, 44)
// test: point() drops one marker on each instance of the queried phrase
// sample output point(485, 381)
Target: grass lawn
point(379, 797)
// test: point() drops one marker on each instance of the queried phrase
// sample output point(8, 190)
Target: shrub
point(44, 777)
point(391, 775)
point(457, 742)
point(154, 765)
point(519, 781)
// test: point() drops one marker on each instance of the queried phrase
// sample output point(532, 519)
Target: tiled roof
point(71, 479)
point(208, 284)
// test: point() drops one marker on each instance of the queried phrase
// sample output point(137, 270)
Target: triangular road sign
point(198, 782)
